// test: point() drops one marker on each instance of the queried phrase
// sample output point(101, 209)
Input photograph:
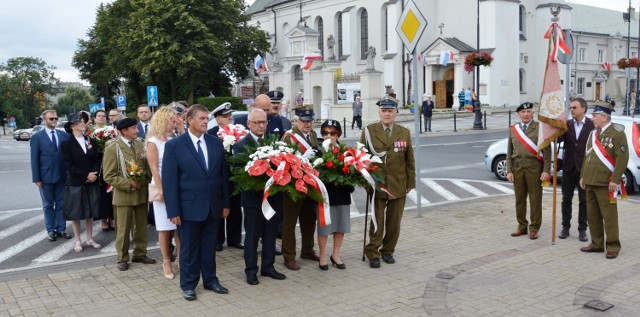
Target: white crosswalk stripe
point(414, 197)
point(439, 189)
point(19, 247)
point(499, 187)
point(19, 227)
point(473, 190)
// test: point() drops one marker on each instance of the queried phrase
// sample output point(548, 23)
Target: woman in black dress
point(82, 196)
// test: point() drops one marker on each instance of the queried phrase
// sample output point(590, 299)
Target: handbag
point(154, 193)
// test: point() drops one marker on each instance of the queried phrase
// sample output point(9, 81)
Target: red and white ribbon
point(302, 143)
point(324, 215)
point(557, 37)
point(526, 142)
point(360, 160)
point(267, 210)
point(610, 163)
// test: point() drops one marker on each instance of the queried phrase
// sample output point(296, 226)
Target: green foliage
point(74, 100)
point(212, 103)
point(24, 83)
point(332, 169)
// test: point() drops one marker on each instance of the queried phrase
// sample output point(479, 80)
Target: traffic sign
point(411, 26)
point(94, 107)
point(568, 39)
point(121, 102)
point(152, 96)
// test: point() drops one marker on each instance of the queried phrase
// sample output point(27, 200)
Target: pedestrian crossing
point(22, 236)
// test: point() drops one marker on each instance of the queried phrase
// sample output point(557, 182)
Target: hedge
point(212, 103)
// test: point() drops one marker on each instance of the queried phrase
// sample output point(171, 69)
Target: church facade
point(361, 53)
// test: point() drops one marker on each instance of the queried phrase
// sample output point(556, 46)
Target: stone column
point(372, 88)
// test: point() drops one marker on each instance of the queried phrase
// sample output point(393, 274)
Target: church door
point(441, 93)
point(597, 92)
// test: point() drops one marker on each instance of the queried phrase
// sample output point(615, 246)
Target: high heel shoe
point(323, 267)
point(166, 268)
point(338, 265)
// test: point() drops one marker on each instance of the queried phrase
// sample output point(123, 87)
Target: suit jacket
point(214, 131)
point(191, 191)
point(594, 172)
point(78, 163)
point(47, 165)
point(517, 152)
point(112, 168)
point(427, 108)
point(275, 124)
point(141, 133)
point(398, 167)
point(574, 149)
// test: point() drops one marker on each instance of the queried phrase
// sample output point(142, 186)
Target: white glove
point(309, 154)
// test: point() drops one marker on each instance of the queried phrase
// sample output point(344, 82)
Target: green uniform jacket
point(594, 172)
point(398, 167)
point(312, 135)
point(123, 193)
point(516, 151)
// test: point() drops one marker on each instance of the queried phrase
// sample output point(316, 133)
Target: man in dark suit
point(256, 225)
point(575, 141)
point(196, 191)
point(144, 123)
point(50, 174)
point(274, 122)
point(427, 112)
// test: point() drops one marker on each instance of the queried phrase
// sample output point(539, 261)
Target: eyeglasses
point(331, 133)
point(53, 119)
point(259, 122)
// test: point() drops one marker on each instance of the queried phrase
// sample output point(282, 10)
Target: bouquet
point(348, 166)
point(278, 167)
point(477, 59)
point(231, 134)
point(137, 171)
point(104, 135)
point(629, 63)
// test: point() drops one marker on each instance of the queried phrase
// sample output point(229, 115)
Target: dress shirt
point(203, 145)
point(578, 125)
point(51, 137)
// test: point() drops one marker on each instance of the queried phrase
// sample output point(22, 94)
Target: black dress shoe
point(252, 279)
point(123, 266)
point(323, 267)
point(51, 236)
point(239, 246)
point(388, 258)
point(219, 247)
point(63, 235)
point(144, 260)
point(374, 263)
point(338, 265)
point(189, 295)
point(274, 275)
point(277, 252)
point(217, 288)
point(564, 233)
point(582, 236)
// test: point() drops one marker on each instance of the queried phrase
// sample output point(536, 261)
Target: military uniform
point(596, 177)
point(130, 203)
point(303, 210)
point(398, 170)
point(527, 169)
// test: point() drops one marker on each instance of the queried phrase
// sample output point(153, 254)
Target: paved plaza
point(457, 260)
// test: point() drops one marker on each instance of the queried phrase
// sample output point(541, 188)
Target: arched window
point(339, 35)
point(364, 34)
point(523, 16)
point(320, 29)
point(523, 81)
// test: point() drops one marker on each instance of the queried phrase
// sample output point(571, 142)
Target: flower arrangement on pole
point(633, 62)
point(477, 59)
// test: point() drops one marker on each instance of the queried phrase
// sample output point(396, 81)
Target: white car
point(495, 157)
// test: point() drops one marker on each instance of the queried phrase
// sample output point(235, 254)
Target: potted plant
point(629, 62)
point(477, 59)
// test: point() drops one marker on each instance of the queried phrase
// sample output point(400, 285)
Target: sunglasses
point(331, 133)
point(53, 119)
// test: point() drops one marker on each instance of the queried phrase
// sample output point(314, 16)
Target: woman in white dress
point(161, 130)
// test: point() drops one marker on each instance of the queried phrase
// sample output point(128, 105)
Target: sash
point(526, 142)
point(302, 143)
point(610, 163)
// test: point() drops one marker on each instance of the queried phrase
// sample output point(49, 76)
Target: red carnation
point(345, 169)
point(341, 158)
point(374, 168)
point(330, 164)
point(335, 150)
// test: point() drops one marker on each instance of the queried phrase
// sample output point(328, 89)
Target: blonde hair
point(48, 111)
point(159, 122)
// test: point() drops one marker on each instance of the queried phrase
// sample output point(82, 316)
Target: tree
point(23, 88)
point(74, 99)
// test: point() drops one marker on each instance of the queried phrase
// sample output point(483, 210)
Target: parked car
point(25, 134)
point(495, 157)
point(16, 134)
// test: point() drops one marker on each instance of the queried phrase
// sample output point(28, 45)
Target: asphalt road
point(451, 170)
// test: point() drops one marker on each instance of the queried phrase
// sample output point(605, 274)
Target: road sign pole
point(416, 112)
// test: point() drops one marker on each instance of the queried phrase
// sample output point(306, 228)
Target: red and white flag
point(606, 66)
point(308, 59)
point(552, 115)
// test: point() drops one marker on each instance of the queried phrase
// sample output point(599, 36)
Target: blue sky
point(50, 29)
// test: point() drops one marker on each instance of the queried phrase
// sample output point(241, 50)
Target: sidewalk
point(458, 260)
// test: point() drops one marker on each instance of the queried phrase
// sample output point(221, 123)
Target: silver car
point(495, 159)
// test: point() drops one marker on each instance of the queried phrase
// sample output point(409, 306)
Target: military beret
point(222, 109)
point(275, 96)
point(388, 104)
point(525, 105)
point(125, 123)
point(603, 107)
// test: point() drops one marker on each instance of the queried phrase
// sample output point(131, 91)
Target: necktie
point(308, 138)
point(146, 127)
point(387, 131)
point(201, 155)
point(130, 144)
point(261, 141)
point(54, 140)
point(524, 127)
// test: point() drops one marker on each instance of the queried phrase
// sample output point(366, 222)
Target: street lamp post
point(628, 70)
point(477, 122)
point(636, 109)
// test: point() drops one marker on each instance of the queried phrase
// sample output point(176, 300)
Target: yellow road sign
point(411, 26)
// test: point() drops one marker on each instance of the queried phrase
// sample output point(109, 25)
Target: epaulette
point(618, 127)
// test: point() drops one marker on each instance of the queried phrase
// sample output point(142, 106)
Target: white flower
point(325, 144)
point(309, 154)
point(317, 162)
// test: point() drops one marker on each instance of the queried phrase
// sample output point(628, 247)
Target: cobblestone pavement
point(457, 260)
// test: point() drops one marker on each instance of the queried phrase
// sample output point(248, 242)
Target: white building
point(510, 30)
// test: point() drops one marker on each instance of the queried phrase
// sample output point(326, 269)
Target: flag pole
point(556, 148)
